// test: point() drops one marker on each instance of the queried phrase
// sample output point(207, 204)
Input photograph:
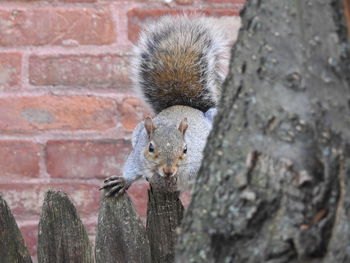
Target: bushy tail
point(181, 61)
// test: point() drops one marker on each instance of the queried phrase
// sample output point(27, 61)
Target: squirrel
point(178, 69)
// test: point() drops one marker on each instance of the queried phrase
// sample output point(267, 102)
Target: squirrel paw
point(115, 186)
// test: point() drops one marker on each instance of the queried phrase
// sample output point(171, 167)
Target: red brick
point(138, 17)
point(184, 2)
point(29, 230)
point(132, 112)
point(26, 199)
point(54, 26)
point(10, 71)
point(78, 1)
point(139, 196)
point(28, 114)
point(103, 71)
point(86, 159)
point(19, 159)
point(346, 5)
point(90, 224)
point(30, 236)
point(186, 198)
point(227, 1)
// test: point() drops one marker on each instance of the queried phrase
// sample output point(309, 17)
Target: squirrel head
point(166, 148)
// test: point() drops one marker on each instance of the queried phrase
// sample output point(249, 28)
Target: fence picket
point(121, 237)
point(62, 236)
point(164, 215)
point(12, 247)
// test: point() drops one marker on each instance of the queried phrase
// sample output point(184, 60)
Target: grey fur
point(201, 34)
point(196, 136)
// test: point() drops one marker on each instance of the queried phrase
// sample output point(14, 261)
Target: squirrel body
point(197, 132)
point(178, 69)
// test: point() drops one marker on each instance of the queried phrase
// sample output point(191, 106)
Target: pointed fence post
point(121, 237)
point(164, 215)
point(12, 247)
point(62, 236)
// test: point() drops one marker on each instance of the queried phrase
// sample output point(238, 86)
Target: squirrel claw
point(114, 177)
point(107, 184)
point(116, 191)
point(115, 185)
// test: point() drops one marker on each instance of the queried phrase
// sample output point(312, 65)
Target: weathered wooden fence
point(121, 236)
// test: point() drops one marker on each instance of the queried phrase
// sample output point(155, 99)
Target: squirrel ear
point(149, 126)
point(183, 126)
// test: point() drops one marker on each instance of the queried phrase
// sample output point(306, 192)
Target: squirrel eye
point(185, 149)
point(151, 148)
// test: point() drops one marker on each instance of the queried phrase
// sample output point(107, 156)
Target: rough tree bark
point(275, 185)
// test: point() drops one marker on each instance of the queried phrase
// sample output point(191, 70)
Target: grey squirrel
point(178, 68)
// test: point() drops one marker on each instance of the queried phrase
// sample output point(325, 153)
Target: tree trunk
point(274, 185)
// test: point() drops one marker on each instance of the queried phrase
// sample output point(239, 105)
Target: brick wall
point(66, 107)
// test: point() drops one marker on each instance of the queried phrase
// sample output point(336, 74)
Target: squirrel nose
point(169, 171)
